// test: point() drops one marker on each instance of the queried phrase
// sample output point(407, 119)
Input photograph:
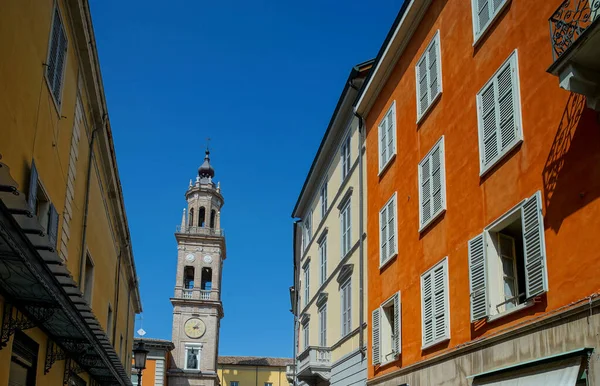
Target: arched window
point(202, 217)
point(191, 218)
point(206, 279)
point(188, 277)
point(212, 218)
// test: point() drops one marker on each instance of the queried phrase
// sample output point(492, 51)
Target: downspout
point(361, 216)
point(295, 304)
point(256, 376)
point(118, 292)
point(127, 349)
point(86, 204)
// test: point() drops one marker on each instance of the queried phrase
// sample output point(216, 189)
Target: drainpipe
point(294, 304)
point(361, 216)
point(86, 204)
point(117, 292)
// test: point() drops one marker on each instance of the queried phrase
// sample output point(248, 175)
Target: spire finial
point(206, 170)
point(207, 145)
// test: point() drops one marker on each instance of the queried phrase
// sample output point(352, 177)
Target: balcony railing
point(197, 294)
point(200, 231)
point(187, 293)
point(314, 361)
point(570, 21)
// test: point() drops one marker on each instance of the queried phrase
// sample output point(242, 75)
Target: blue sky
point(261, 79)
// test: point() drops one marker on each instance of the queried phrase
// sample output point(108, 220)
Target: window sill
point(421, 117)
point(518, 308)
point(386, 165)
point(394, 359)
point(431, 220)
point(435, 343)
point(484, 31)
point(484, 169)
point(388, 261)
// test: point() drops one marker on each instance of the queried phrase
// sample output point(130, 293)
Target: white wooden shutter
point(391, 231)
point(439, 278)
point(422, 86)
point(425, 185)
point(483, 14)
point(397, 343)
point(391, 132)
point(506, 80)
point(478, 278)
point(382, 143)
point(33, 186)
point(534, 246)
point(376, 336)
point(427, 320)
point(433, 70)
point(437, 194)
point(383, 223)
point(488, 124)
point(53, 226)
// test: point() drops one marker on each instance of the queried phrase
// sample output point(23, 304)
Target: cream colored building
point(328, 296)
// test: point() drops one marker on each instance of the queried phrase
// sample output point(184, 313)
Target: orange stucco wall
point(560, 156)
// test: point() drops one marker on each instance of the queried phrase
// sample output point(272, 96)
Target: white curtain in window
point(559, 373)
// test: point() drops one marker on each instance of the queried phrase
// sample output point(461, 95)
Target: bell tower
point(197, 307)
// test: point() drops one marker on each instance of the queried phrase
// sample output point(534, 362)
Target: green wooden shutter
point(478, 278)
point(33, 186)
point(534, 246)
point(53, 226)
point(375, 335)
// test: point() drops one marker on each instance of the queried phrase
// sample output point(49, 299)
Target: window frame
point(307, 229)
point(429, 272)
point(390, 302)
point(478, 33)
point(306, 271)
point(345, 155)
point(323, 260)
point(432, 99)
point(306, 334)
point(434, 216)
point(322, 311)
point(57, 103)
point(323, 198)
point(390, 157)
point(345, 294)
point(346, 230)
point(190, 345)
point(519, 138)
point(383, 262)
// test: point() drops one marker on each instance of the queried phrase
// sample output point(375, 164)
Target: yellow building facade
point(252, 371)
point(329, 289)
point(68, 286)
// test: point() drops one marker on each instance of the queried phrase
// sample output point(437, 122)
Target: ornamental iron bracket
point(71, 368)
point(13, 319)
point(53, 353)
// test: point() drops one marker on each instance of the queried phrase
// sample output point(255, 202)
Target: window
point(499, 114)
point(234, 383)
point(346, 302)
point(323, 326)
point(507, 262)
point(429, 77)
point(213, 215)
point(57, 54)
point(307, 236)
point(387, 234)
point(323, 260)
point(434, 305)
point(192, 356)
point(432, 185)
point(306, 283)
point(191, 218)
point(386, 333)
point(484, 13)
point(346, 227)
point(202, 217)
point(305, 335)
point(23, 364)
point(188, 277)
point(134, 379)
point(268, 384)
point(109, 322)
point(88, 281)
point(323, 196)
point(40, 205)
point(206, 280)
point(387, 137)
point(345, 155)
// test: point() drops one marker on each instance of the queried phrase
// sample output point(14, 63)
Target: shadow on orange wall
point(571, 174)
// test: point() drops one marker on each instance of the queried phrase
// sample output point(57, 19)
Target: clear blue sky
point(261, 78)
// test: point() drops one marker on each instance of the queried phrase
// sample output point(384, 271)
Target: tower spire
point(206, 170)
point(183, 221)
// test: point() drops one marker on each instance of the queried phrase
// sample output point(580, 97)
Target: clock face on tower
point(190, 257)
point(207, 259)
point(194, 328)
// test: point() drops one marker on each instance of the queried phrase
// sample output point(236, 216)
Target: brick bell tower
point(197, 307)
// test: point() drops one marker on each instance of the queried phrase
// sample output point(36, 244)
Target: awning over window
point(560, 370)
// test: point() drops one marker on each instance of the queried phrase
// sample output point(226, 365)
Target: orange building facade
point(483, 163)
point(157, 363)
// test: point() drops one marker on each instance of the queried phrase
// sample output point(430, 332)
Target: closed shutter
point(431, 175)
point(375, 335)
point(427, 309)
point(33, 186)
point(534, 246)
point(425, 171)
point(433, 70)
point(435, 306)
point(53, 226)
point(391, 231)
point(428, 71)
point(487, 107)
point(52, 55)
point(477, 278)
point(397, 344)
point(382, 143)
point(60, 62)
point(506, 105)
point(436, 179)
point(483, 14)
point(391, 132)
point(384, 235)
point(439, 278)
point(422, 97)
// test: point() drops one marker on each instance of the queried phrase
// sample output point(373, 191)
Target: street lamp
point(140, 354)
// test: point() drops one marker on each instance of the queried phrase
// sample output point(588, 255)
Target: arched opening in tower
point(188, 277)
point(206, 279)
point(212, 218)
point(191, 218)
point(202, 217)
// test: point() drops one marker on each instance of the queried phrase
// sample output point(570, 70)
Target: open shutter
point(33, 186)
point(397, 344)
point(506, 81)
point(53, 226)
point(477, 278)
point(425, 183)
point(427, 309)
point(534, 246)
point(375, 330)
point(391, 231)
